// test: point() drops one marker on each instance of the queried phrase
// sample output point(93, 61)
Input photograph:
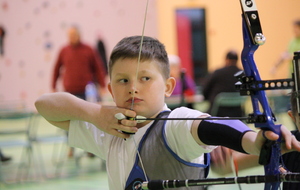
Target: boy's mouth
point(134, 100)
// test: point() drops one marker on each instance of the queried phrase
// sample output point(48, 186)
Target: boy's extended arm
point(59, 108)
point(236, 135)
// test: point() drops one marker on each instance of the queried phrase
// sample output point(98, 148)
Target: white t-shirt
point(120, 154)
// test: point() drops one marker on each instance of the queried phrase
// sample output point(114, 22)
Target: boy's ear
point(291, 115)
point(109, 89)
point(170, 85)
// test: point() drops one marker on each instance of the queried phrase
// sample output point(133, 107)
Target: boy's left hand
point(289, 142)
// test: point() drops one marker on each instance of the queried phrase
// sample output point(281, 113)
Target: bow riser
point(259, 99)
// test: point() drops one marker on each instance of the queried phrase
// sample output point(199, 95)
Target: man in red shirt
point(78, 64)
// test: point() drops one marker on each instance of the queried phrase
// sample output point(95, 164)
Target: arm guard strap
point(228, 133)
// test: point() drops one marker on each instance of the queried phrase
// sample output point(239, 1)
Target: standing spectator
point(293, 46)
point(223, 80)
point(102, 52)
point(79, 65)
point(2, 35)
point(185, 85)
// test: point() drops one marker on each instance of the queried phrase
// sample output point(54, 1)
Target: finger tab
point(120, 116)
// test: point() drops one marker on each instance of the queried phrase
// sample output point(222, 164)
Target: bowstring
point(140, 158)
point(139, 57)
point(135, 84)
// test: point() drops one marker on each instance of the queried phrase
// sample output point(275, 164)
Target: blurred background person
point(185, 86)
point(223, 80)
point(294, 45)
point(2, 35)
point(101, 49)
point(79, 66)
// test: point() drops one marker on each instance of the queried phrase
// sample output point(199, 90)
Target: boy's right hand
point(107, 122)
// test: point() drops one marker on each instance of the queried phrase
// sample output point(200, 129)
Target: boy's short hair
point(152, 49)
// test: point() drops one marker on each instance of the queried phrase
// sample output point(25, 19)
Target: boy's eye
point(145, 78)
point(123, 80)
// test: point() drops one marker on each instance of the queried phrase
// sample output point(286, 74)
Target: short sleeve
point(86, 136)
point(179, 137)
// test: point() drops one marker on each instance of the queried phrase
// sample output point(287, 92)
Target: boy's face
point(147, 86)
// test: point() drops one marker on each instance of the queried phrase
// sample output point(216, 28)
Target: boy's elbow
point(46, 108)
point(39, 103)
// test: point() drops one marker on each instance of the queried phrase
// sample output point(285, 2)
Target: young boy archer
point(172, 149)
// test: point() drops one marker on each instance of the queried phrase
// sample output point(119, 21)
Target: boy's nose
point(133, 89)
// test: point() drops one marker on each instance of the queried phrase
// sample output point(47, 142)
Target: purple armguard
point(228, 133)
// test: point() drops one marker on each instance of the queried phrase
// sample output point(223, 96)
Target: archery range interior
point(36, 30)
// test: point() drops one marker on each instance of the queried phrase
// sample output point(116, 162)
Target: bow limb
point(252, 35)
